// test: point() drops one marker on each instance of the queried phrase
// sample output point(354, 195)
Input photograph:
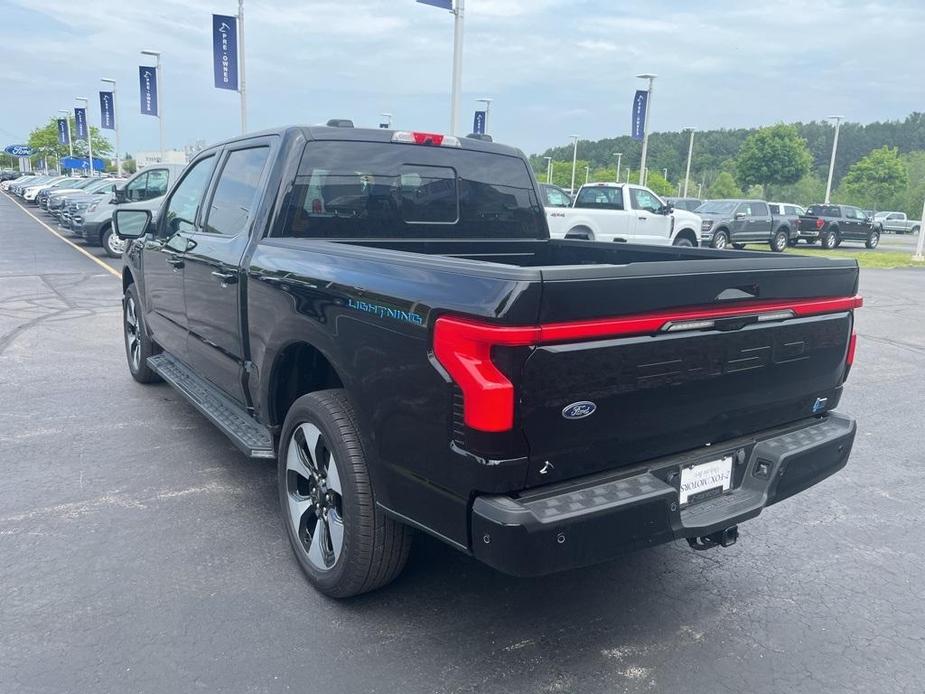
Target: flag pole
point(459, 13)
point(241, 90)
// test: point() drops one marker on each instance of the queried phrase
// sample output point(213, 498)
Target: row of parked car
point(624, 212)
point(83, 206)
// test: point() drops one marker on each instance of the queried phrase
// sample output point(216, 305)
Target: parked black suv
point(385, 314)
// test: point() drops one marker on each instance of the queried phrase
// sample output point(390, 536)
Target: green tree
point(877, 181)
point(775, 155)
point(724, 186)
point(808, 190)
point(44, 139)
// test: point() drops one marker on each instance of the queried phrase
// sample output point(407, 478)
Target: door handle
point(174, 260)
point(225, 277)
point(642, 219)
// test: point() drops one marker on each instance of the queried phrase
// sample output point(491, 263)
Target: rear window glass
point(824, 210)
point(353, 190)
point(603, 197)
point(718, 206)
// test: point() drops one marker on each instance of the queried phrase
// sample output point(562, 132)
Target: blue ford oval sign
point(579, 410)
point(19, 150)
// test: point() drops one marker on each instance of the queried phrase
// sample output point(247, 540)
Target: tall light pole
point(574, 160)
point(86, 102)
point(115, 122)
point(587, 173)
point(828, 184)
point(160, 96)
point(645, 127)
point(619, 156)
point(459, 13)
point(242, 92)
point(548, 169)
point(919, 246)
point(485, 100)
point(690, 151)
point(665, 174)
point(70, 139)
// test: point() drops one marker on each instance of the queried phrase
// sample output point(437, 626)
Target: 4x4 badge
point(579, 410)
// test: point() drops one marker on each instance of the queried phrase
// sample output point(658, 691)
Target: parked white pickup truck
point(896, 222)
point(625, 213)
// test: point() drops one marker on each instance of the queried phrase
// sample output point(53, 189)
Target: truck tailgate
point(655, 361)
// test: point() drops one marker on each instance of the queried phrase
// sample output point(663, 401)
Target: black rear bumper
point(597, 518)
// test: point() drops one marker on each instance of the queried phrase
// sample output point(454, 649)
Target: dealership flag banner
point(639, 113)
point(225, 51)
point(445, 4)
point(147, 82)
point(478, 123)
point(64, 135)
point(80, 120)
point(107, 115)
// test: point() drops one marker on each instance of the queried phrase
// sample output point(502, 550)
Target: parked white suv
point(623, 212)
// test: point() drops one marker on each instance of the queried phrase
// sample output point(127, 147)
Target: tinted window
point(184, 202)
point(157, 183)
point(644, 200)
point(135, 190)
point(775, 209)
point(602, 197)
point(383, 190)
point(759, 209)
point(717, 207)
point(236, 192)
point(556, 197)
point(792, 210)
point(824, 210)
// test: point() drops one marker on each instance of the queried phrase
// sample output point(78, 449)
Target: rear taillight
point(852, 346)
point(464, 347)
point(820, 223)
point(419, 138)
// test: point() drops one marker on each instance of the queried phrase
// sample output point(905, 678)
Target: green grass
point(885, 260)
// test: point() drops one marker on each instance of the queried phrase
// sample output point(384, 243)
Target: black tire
point(111, 243)
point(830, 239)
point(873, 240)
point(738, 246)
point(683, 242)
point(780, 241)
point(373, 546)
point(137, 350)
point(915, 230)
point(720, 239)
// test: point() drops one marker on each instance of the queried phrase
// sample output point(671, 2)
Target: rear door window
point(775, 209)
point(760, 209)
point(232, 205)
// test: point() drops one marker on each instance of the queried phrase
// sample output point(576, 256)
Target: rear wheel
point(343, 542)
point(830, 239)
point(779, 241)
point(873, 240)
point(720, 239)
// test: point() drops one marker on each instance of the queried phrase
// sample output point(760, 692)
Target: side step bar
point(245, 432)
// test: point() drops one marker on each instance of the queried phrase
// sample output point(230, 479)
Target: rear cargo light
point(463, 347)
point(820, 223)
point(419, 138)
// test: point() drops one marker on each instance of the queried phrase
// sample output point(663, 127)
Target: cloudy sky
point(553, 67)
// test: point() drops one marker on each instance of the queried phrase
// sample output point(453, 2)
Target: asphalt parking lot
point(140, 552)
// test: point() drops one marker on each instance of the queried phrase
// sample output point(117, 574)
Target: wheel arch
point(574, 232)
point(127, 279)
point(298, 369)
point(689, 234)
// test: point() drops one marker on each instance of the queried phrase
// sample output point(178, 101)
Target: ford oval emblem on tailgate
point(579, 410)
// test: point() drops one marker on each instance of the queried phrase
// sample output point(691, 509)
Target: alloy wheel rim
point(132, 336)
point(721, 241)
point(781, 242)
point(314, 497)
point(115, 244)
point(874, 240)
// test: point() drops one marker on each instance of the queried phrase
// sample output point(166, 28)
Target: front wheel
point(720, 239)
point(344, 543)
point(138, 345)
point(683, 242)
point(873, 240)
point(111, 243)
point(779, 241)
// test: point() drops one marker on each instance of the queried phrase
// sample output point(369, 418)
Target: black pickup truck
point(384, 313)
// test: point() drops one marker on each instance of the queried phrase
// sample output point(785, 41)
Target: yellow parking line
point(70, 243)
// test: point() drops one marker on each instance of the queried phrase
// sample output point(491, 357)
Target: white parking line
point(70, 243)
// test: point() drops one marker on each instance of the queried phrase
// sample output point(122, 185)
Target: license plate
point(704, 481)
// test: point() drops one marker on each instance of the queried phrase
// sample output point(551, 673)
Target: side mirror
point(131, 224)
point(740, 215)
point(118, 194)
point(665, 209)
